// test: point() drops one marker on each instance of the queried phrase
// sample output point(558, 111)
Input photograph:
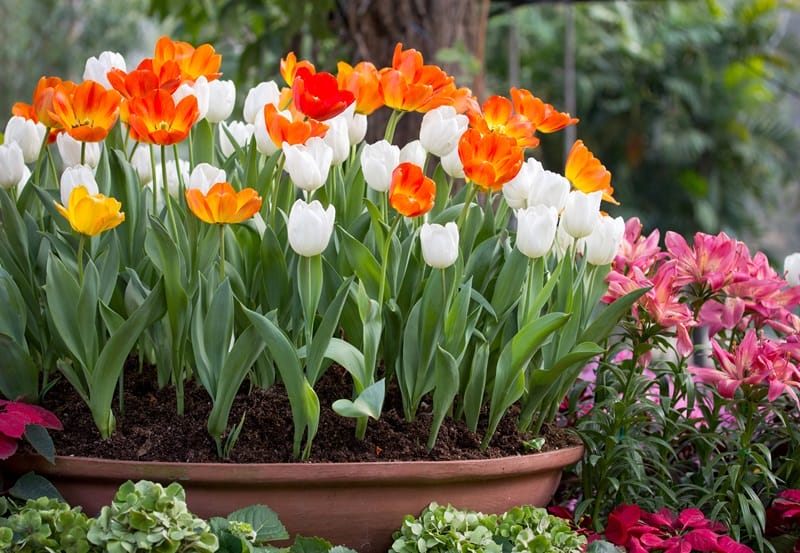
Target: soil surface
point(149, 429)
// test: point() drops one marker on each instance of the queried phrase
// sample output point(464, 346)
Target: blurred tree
point(685, 102)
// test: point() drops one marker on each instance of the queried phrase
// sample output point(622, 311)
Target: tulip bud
point(548, 188)
point(310, 227)
point(97, 68)
point(72, 177)
point(604, 241)
point(263, 94)
point(199, 89)
point(440, 130)
point(439, 244)
point(221, 98)
point(580, 213)
point(356, 124)
point(70, 151)
point(377, 163)
point(337, 138)
point(204, 176)
point(140, 161)
point(264, 142)
point(27, 134)
point(241, 133)
point(791, 269)
point(413, 152)
point(308, 164)
point(13, 171)
point(451, 163)
point(517, 189)
point(536, 229)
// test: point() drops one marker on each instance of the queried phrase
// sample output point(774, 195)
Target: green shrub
point(43, 525)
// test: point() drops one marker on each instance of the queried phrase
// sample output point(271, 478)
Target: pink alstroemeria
point(636, 250)
point(14, 417)
point(713, 261)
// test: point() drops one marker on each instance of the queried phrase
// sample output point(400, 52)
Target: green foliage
point(446, 529)
point(148, 517)
point(44, 525)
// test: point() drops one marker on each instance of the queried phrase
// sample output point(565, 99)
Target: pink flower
point(15, 416)
point(637, 251)
point(713, 262)
point(743, 366)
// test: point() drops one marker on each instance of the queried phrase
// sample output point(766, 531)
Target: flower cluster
point(266, 249)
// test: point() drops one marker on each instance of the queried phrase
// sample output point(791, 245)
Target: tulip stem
point(79, 257)
point(221, 253)
point(391, 126)
point(385, 255)
point(165, 186)
point(181, 185)
point(471, 191)
point(83, 153)
point(42, 150)
point(153, 179)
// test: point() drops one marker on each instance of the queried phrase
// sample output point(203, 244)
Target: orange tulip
point(544, 116)
point(222, 204)
point(86, 112)
point(409, 85)
point(43, 99)
point(498, 116)
point(282, 130)
point(411, 192)
point(587, 174)
point(490, 160)
point(363, 81)
point(202, 61)
point(155, 119)
point(290, 65)
point(91, 214)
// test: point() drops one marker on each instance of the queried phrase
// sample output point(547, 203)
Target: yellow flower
point(91, 214)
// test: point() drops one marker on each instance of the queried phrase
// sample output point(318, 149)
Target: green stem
point(273, 214)
point(471, 191)
point(52, 167)
point(83, 153)
point(42, 150)
point(221, 253)
point(153, 179)
point(167, 197)
point(391, 126)
point(81, 247)
point(181, 184)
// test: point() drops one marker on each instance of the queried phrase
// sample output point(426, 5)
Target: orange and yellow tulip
point(222, 204)
point(43, 99)
point(497, 116)
point(490, 159)
point(365, 84)
point(202, 61)
point(411, 193)
point(544, 116)
point(587, 174)
point(86, 112)
point(409, 85)
point(156, 119)
point(281, 129)
point(91, 214)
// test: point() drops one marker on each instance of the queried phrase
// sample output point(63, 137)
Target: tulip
point(413, 152)
point(282, 127)
point(490, 159)
point(222, 204)
point(318, 95)
point(241, 132)
point(791, 269)
point(548, 188)
point(97, 68)
point(378, 160)
point(356, 124)
point(516, 190)
point(411, 193)
point(27, 134)
point(604, 241)
point(200, 90)
point(338, 138)
point(587, 174)
point(308, 165)
point(73, 177)
point(257, 97)
point(140, 161)
point(451, 163)
point(158, 119)
point(70, 151)
point(536, 229)
point(310, 227)
point(91, 214)
point(221, 99)
point(204, 176)
point(13, 171)
point(580, 213)
point(440, 130)
point(86, 112)
point(264, 142)
point(439, 244)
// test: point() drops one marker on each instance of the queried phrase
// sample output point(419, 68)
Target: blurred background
point(693, 105)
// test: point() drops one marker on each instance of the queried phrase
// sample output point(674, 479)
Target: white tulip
point(27, 134)
point(548, 188)
point(517, 189)
point(308, 164)
point(221, 98)
point(173, 183)
point(378, 160)
point(200, 90)
point(791, 269)
point(310, 227)
point(72, 177)
point(13, 171)
point(580, 213)
point(440, 130)
point(264, 142)
point(602, 244)
point(356, 124)
point(536, 229)
point(97, 68)
point(413, 152)
point(241, 132)
point(563, 241)
point(140, 161)
point(257, 97)
point(451, 163)
point(337, 138)
point(439, 244)
point(204, 176)
point(70, 151)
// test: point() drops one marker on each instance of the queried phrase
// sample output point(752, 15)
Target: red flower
point(156, 119)
point(411, 192)
point(318, 94)
point(15, 416)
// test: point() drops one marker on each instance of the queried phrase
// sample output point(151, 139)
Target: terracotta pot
point(354, 504)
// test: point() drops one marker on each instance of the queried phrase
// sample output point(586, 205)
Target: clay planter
point(354, 504)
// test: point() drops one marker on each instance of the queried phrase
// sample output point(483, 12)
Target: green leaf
point(476, 385)
point(348, 356)
point(62, 290)
point(13, 315)
point(19, 378)
point(310, 545)
point(369, 403)
point(325, 331)
point(446, 370)
point(264, 522)
point(41, 441)
point(202, 142)
point(33, 486)
point(604, 324)
point(361, 262)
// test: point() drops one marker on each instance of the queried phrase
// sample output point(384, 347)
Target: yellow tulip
point(91, 214)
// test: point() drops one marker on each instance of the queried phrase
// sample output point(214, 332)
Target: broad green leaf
point(361, 262)
point(348, 356)
point(369, 403)
point(446, 373)
point(604, 324)
point(41, 441)
point(19, 377)
point(13, 315)
point(202, 142)
point(476, 385)
point(34, 486)
point(327, 327)
point(263, 520)
point(62, 291)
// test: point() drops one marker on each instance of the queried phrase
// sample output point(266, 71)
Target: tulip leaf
point(507, 288)
point(348, 356)
point(476, 385)
point(369, 402)
point(309, 285)
point(19, 378)
point(202, 143)
point(324, 333)
point(605, 323)
point(62, 290)
point(275, 284)
point(446, 374)
point(13, 315)
point(361, 262)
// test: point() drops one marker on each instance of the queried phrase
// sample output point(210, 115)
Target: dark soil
point(150, 429)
